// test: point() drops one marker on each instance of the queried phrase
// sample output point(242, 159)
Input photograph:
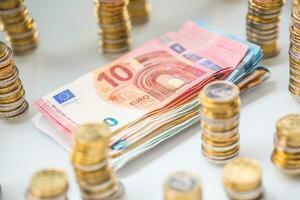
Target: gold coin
point(289, 126)
point(242, 174)
point(48, 183)
point(89, 133)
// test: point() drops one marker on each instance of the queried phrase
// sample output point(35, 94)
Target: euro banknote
point(149, 94)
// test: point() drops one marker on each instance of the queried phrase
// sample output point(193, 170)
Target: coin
point(262, 25)
point(91, 165)
point(48, 183)
point(114, 24)
point(182, 185)
point(19, 27)
point(242, 174)
point(12, 94)
point(286, 154)
point(220, 107)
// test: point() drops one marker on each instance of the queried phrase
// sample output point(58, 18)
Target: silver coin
point(220, 149)
point(16, 112)
point(221, 91)
point(90, 167)
point(221, 123)
point(253, 194)
point(220, 159)
point(182, 182)
point(96, 187)
point(30, 196)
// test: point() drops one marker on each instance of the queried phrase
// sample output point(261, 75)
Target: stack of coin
point(115, 25)
point(182, 186)
point(220, 108)
point(294, 54)
point(19, 26)
point(286, 154)
point(139, 11)
point(263, 25)
point(12, 94)
point(48, 184)
point(242, 179)
point(91, 165)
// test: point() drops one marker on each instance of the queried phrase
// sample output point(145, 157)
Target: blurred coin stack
point(220, 108)
point(139, 11)
point(294, 53)
point(19, 26)
point(296, 3)
point(48, 184)
point(12, 94)
point(182, 186)
point(91, 165)
point(263, 25)
point(115, 25)
point(286, 154)
point(242, 179)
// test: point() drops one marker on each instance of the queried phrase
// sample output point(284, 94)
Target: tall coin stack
point(115, 25)
point(182, 186)
point(139, 11)
point(48, 184)
point(263, 25)
point(91, 165)
point(19, 26)
point(286, 154)
point(294, 54)
point(242, 179)
point(220, 108)
point(12, 94)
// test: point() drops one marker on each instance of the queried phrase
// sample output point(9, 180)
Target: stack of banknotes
point(150, 94)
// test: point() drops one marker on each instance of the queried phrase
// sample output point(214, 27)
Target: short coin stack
point(139, 11)
point(220, 108)
point(48, 184)
point(182, 186)
point(263, 25)
point(286, 154)
point(115, 25)
point(294, 53)
point(91, 165)
point(242, 179)
point(12, 94)
point(19, 26)
point(296, 3)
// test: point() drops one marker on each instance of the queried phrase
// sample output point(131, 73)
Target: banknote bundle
point(12, 94)
point(48, 184)
point(19, 26)
point(182, 186)
point(263, 25)
point(115, 26)
point(150, 94)
point(294, 54)
point(139, 11)
point(90, 162)
point(287, 144)
point(220, 113)
point(242, 179)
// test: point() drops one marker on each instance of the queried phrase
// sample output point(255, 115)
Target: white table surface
point(69, 49)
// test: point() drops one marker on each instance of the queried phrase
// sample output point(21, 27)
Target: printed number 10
point(116, 75)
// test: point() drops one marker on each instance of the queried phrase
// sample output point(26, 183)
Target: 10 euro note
point(139, 85)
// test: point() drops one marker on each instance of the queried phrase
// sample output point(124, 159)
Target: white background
point(69, 49)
